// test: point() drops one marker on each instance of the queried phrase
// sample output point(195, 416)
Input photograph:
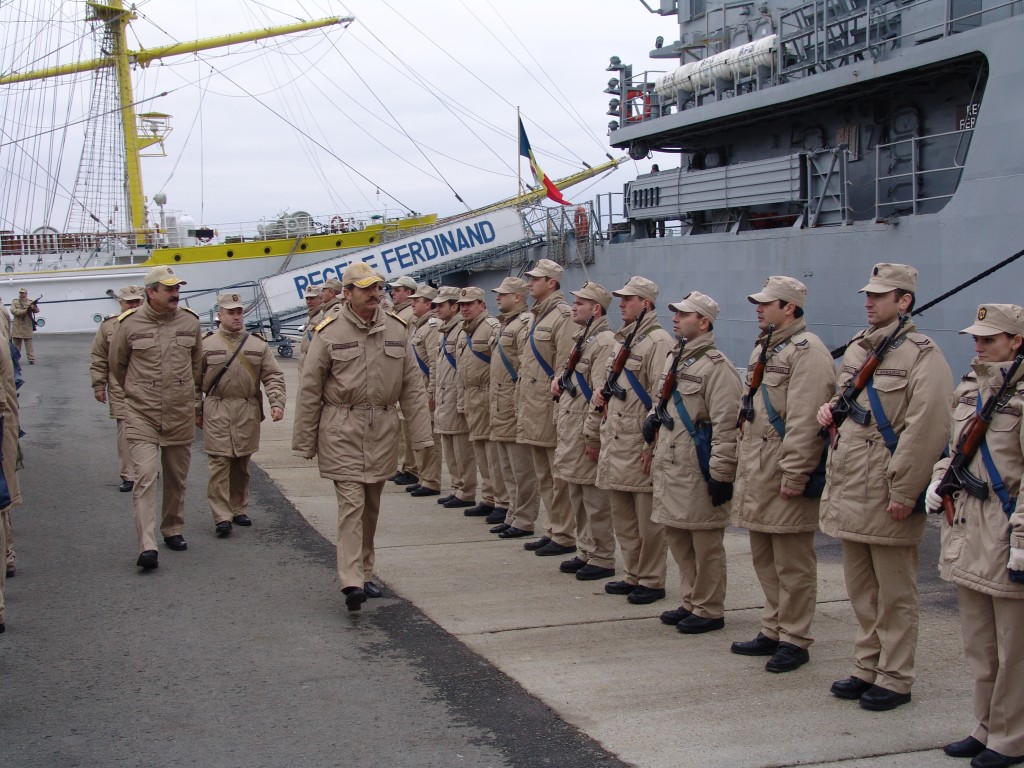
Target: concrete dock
point(525, 641)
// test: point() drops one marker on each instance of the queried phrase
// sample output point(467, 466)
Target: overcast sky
point(417, 97)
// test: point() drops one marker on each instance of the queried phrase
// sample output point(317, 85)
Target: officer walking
point(624, 466)
point(879, 465)
point(235, 364)
point(779, 449)
point(693, 474)
point(358, 367)
point(106, 389)
point(24, 311)
point(312, 296)
point(514, 459)
point(579, 437)
point(156, 355)
point(986, 563)
point(423, 342)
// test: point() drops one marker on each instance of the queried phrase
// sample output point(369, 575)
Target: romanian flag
point(539, 177)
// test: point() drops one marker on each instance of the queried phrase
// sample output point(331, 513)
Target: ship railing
point(908, 184)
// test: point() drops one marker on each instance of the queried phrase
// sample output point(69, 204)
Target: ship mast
point(116, 18)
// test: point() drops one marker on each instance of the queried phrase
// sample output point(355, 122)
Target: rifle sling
point(222, 371)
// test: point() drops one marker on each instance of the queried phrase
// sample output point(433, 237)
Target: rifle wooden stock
point(611, 385)
point(565, 380)
point(661, 417)
point(747, 406)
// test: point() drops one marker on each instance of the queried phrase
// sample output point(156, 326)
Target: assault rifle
point(660, 417)
point(747, 406)
point(846, 405)
point(957, 476)
point(565, 380)
point(612, 386)
point(33, 307)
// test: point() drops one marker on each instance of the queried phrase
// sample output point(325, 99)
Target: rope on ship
point(840, 351)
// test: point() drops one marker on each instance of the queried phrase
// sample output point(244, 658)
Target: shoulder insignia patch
point(403, 322)
point(325, 322)
point(565, 310)
point(921, 340)
point(208, 334)
point(802, 343)
point(190, 311)
point(127, 312)
point(492, 321)
point(258, 335)
point(434, 322)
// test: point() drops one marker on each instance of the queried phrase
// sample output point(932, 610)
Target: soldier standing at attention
point(693, 487)
point(979, 555)
point(156, 355)
point(235, 364)
point(24, 312)
point(779, 449)
point(579, 437)
point(515, 459)
point(358, 367)
point(402, 291)
point(548, 346)
point(878, 467)
point(313, 296)
point(423, 342)
point(449, 404)
point(624, 466)
point(105, 388)
point(10, 490)
point(473, 356)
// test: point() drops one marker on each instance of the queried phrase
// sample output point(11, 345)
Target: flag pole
point(519, 162)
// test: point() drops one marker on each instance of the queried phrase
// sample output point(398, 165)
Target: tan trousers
point(592, 514)
point(490, 474)
point(358, 510)
point(9, 554)
point(882, 584)
point(408, 454)
point(641, 541)
point(501, 492)
point(700, 555)
point(787, 567)
point(228, 487)
point(461, 461)
point(28, 348)
point(147, 460)
point(3, 571)
point(993, 629)
point(554, 493)
point(428, 466)
point(520, 478)
point(124, 455)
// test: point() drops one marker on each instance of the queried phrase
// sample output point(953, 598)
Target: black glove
point(650, 428)
point(720, 491)
point(1017, 577)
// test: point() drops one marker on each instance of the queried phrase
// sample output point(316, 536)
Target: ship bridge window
point(697, 8)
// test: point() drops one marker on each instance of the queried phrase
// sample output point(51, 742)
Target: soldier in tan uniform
point(624, 465)
point(449, 404)
point(579, 437)
point(978, 555)
point(156, 355)
point(423, 342)
point(473, 355)
point(692, 493)
point(547, 350)
point(402, 291)
point(358, 367)
point(877, 470)
point(106, 389)
point(24, 311)
point(515, 459)
point(779, 449)
point(235, 365)
point(10, 490)
point(313, 295)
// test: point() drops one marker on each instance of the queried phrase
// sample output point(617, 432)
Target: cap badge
point(982, 313)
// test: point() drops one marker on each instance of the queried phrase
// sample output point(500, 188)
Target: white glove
point(1016, 562)
point(932, 500)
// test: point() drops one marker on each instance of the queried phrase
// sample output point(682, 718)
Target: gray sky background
point(415, 96)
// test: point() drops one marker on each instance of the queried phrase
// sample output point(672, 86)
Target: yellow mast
point(116, 17)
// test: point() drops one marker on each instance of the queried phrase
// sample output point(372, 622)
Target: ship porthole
point(97, 318)
point(373, 239)
point(10, 267)
point(267, 249)
point(40, 322)
point(177, 257)
point(230, 254)
point(302, 247)
point(337, 244)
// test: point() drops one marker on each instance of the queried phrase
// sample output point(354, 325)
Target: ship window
point(697, 8)
point(267, 250)
point(177, 257)
point(302, 247)
point(230, 254)
point(337, 244)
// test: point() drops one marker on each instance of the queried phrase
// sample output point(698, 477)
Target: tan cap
point(425, 292)
point(997, 318)
point(230, 301)
point(23, 290)
point(332, 285)
point(471, 294)
point(311, 291)
point(639, 286)
point(546, 268)
point(695, 301)
point(780, 287)
point(447, 293)
point(360, 274)
point(164, 276)
point(890, 277)
point(132, 293)
point(403, 282)
point(592, 291)
point(513, 285)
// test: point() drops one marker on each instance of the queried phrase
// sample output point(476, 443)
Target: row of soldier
point(649, 439)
